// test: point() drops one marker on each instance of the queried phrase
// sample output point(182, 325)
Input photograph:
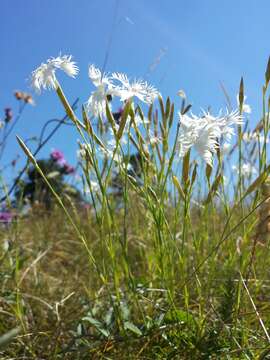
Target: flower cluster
point(118, 85)
point(205, 133)
point(106, 86)
point(59, 158)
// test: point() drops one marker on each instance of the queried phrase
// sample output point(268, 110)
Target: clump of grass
point(160, 266)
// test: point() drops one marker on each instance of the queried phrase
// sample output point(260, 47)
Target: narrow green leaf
point(178, 187)
point(208, 171)
point(123, 122)
point(194, 174)
point(89, 129)
point(161, 108)
point(110, 118)
point(168, 108)
point(185, 169)
point(213, 189)
point(68, 108)
point(267, 74)
point(256, 183)
point(86, 121)
point(241, 94)
point(149, 115)
point(130, 326)
point(171, 116)
point(152, 193)
point(186, 109)
point(26, 150)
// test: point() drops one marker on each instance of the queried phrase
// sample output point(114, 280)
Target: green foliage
point(164, 264)
point(34, 189)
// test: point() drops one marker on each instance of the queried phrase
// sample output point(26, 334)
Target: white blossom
point(96, 104)
point(226, 123)
point(44, 76)
point(247, 169)
point(153, 140)
point(200, 133)
point(138, 88)
point(254, 136)
point(205, 132)
point(94, 186)
point(226, 147)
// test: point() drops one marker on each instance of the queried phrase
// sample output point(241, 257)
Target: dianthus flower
point(44, 76)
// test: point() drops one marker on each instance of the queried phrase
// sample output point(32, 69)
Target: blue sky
point(199, 43)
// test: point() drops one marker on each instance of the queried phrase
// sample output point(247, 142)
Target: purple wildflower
point(58, 156)
point(68, 169)
point(8, 115)
point(5, 217)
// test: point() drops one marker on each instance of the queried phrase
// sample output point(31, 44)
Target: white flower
point(81, 153)
point(44, 76)
point(226, 147)
point(205, 132)
point(153, 140)
point(225, 180)
point(247, 136)
point(254, 136)
point(247, 169)
point(94, 186)
point(109, 154)
point(138, 88)
point(182, 94)
point(200, 133)
point(226, 123)
point(245, 108)
point(64, 63)
point(96, 104)
point(138, 120)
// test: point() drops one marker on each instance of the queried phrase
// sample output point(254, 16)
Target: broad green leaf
point(97, 324)
point(8, 337)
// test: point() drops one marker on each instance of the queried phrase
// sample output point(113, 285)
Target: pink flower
point(68, 169)
point(58, 156)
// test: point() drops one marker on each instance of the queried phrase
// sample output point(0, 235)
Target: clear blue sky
point(203, 43)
